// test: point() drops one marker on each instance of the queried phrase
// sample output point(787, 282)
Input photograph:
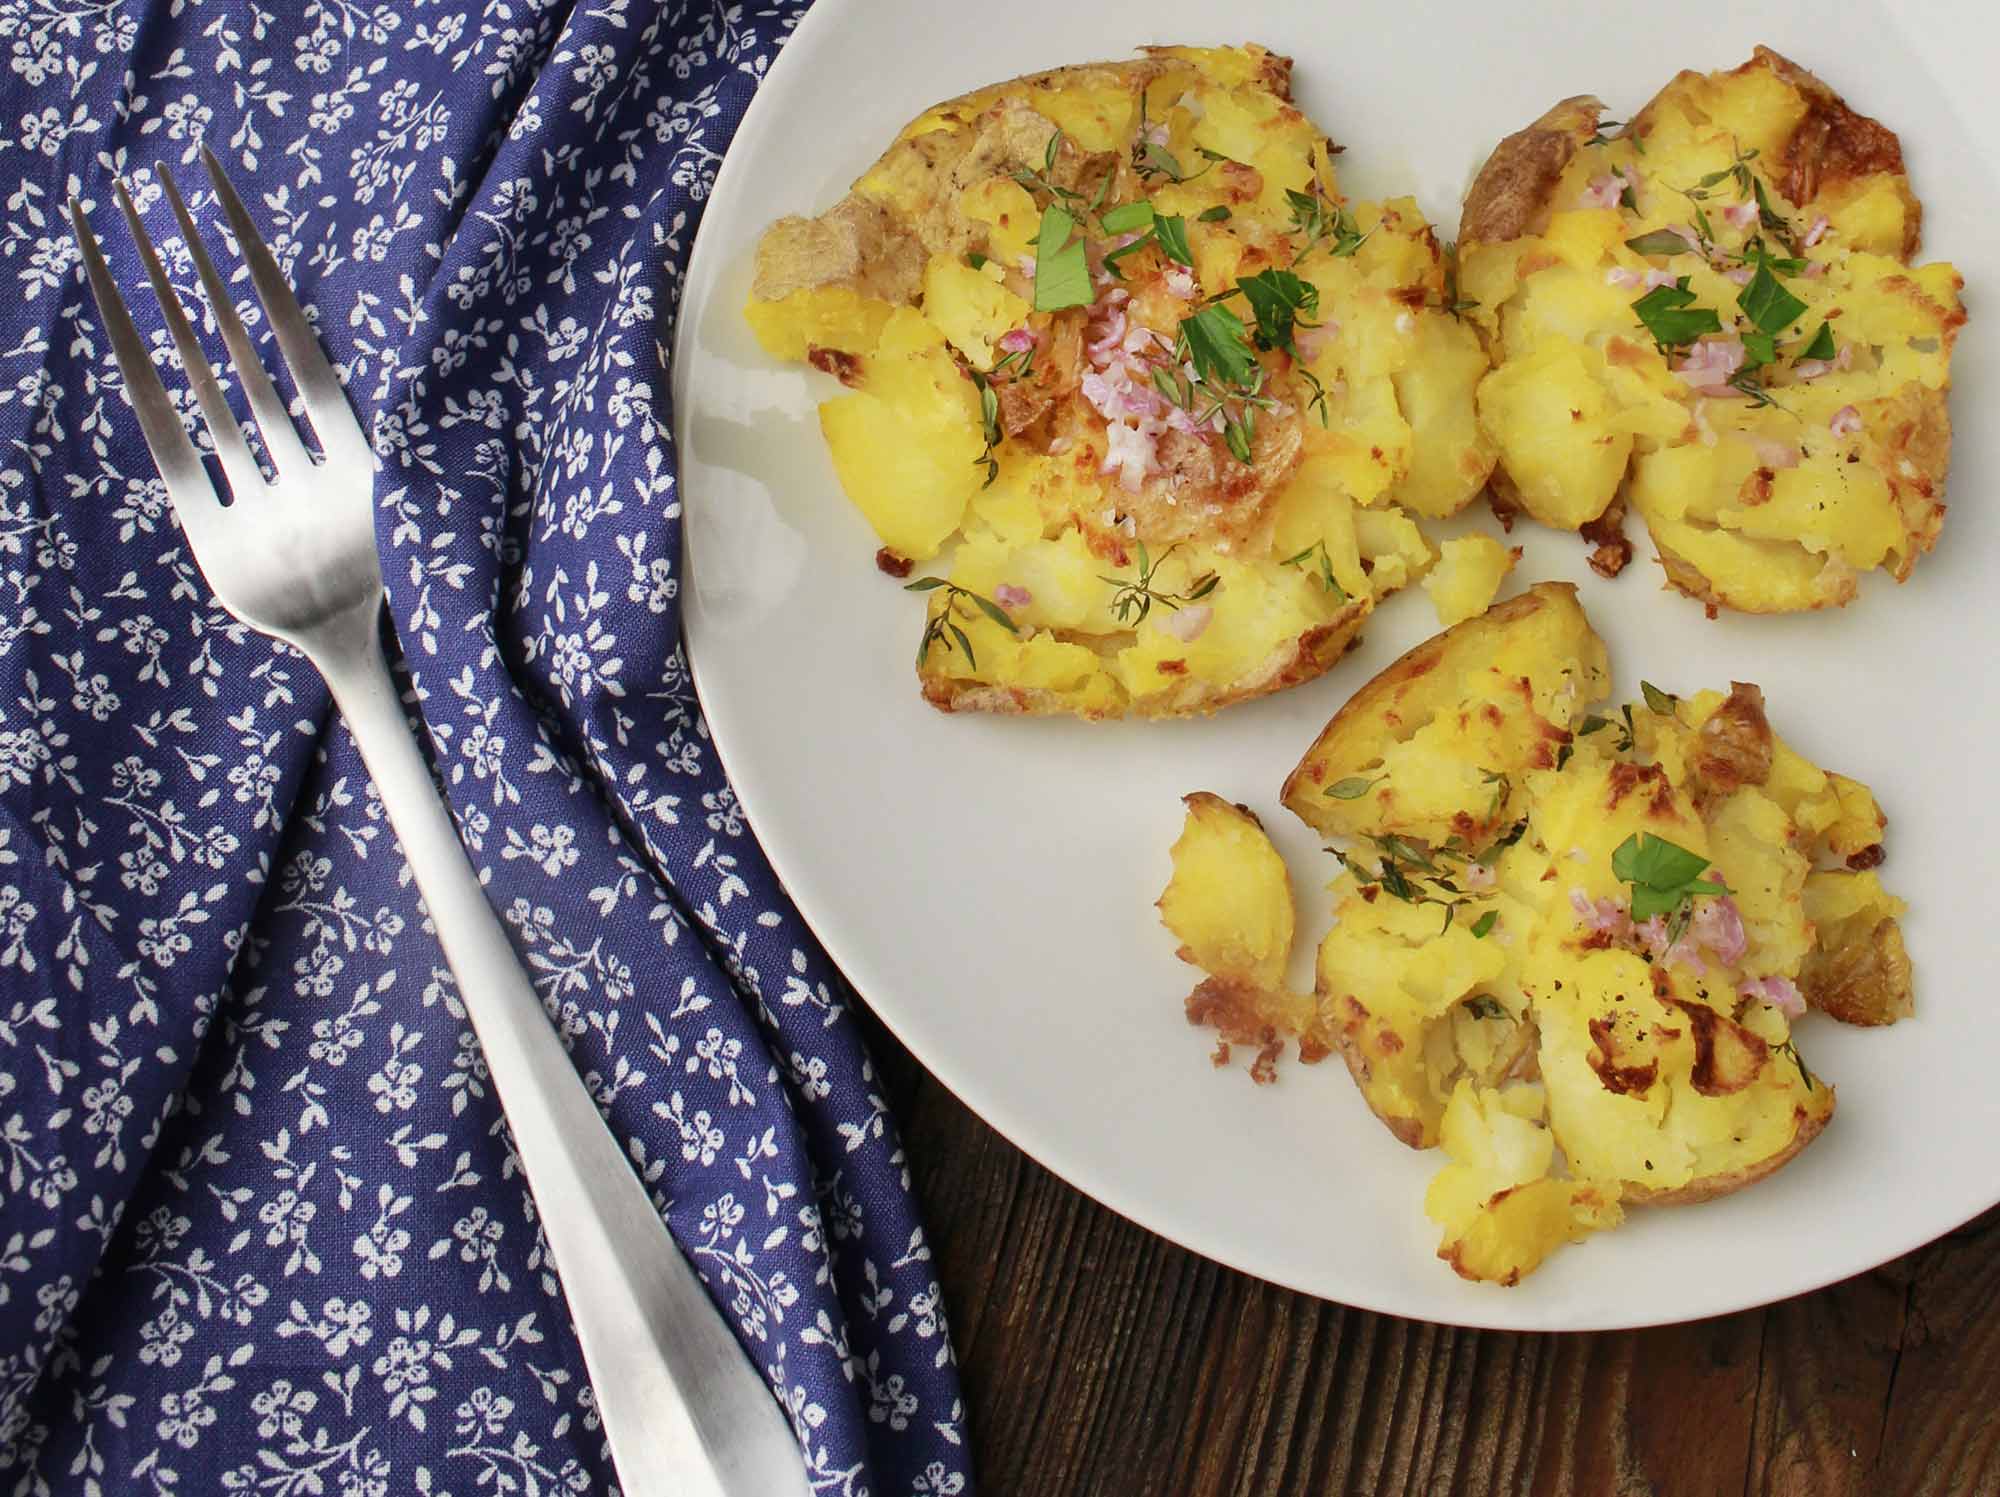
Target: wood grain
point(1100, 1359)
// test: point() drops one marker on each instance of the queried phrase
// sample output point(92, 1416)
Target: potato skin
point(1714, 1187)
point(1833, 143)
point(1510, 196)
point(1400, 692)
point(1291, 664)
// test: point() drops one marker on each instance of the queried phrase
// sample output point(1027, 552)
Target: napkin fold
point(261, 1225)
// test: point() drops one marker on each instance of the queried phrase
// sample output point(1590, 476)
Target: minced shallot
point(1711, 364)
point(1780, 992)
point(1188, 624)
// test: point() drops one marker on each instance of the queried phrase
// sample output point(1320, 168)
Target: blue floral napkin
point(261, 1227)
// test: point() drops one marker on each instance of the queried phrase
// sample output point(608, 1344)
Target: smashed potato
point(1120, 358)
point(1468, 574)
point(1714, 311)
point(1568, 947)
point(1229, 904)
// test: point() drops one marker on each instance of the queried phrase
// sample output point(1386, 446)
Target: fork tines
point(325, 404)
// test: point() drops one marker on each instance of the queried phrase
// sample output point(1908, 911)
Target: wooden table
point(1101, 1359)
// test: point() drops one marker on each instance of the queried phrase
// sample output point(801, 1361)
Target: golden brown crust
point(1610, 551)
point(1714, 1187)
point(1302, 788)
point(1408, 1130)
point(1734, 747)
point(1837, 585)
point(1240, 1013)
point(1510, 196)
point(1291, 664)
point(1866, 982)
point(856, 244)
point(1909, 443)
point(1834, 144)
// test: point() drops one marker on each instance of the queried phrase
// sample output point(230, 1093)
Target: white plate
point(987, 884)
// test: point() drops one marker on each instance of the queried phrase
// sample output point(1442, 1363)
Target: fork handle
point(685, 1412)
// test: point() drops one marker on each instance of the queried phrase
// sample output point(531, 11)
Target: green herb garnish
point(1791, 1048)
point(1281, 302)
point(1128, 218)
point(1481, 928)
point(1171, 232)
point(1353, 787)
point(1321, 221)
point(1766, 302)
point(1670, 315)
point(1322, 566)
point(1659, 242)
point(1662, 874)
point(1218, 214)
point(1218, 345)
point(1662, 702)
point(989, 419)
point(1452, 301)
point(1821, 346)
point(944, 622)
point(1135, 599)
point(1062, 269)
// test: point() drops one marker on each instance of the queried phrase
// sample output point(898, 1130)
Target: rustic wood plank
point(1099, 1359)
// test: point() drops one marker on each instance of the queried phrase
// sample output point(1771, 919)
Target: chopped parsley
point(1218, 345)
point(1128, 218)
point(1663, 875)
point(1670, 315)
point(1170, 229)
point(1282, 303)
point(1765, 301)
point(1062, 268)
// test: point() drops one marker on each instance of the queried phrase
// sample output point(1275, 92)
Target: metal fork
point(685, 1412)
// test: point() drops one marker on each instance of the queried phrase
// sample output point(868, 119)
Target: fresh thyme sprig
point(1453, 301)
point(944, 622)
point(1322, 570)
point(1419, 874)
point(1013, 366)
point(1320, 220)
point(1044, 181)
point(1134, 599)
point(1790, 1047)
point(1749, 188)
